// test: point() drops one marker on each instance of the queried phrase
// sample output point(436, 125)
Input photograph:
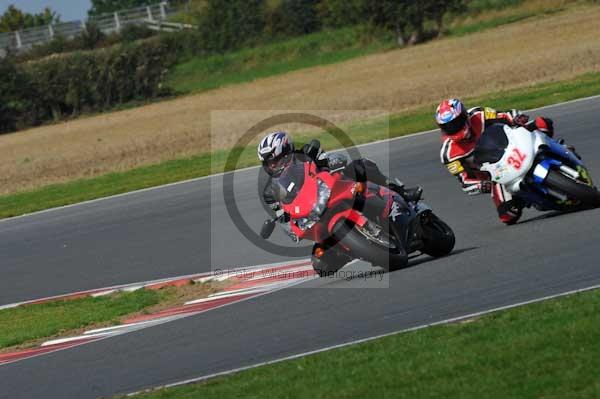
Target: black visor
point(455, 125)
point(277, 164)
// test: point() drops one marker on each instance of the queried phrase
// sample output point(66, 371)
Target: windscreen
point(491, 145)
point(289, 183)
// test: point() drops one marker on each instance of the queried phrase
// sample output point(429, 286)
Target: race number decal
point(516, 159)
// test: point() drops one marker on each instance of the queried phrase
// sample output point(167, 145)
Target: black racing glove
point(482, 187)
point(519, 118)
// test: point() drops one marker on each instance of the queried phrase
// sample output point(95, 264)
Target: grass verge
point(204, 164)
point(320, 48)
point(545, 350)
point(27, 325)
point(488, 24)
point(24, 324)
point(328, 47)
point(488, 14)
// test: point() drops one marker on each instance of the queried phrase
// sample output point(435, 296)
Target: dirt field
point(551, 48)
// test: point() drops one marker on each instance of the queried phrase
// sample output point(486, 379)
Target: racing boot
point(510, 211)
point(412, 194)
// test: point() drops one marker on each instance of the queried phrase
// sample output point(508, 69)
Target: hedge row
point(67, 85)
point(228, 24)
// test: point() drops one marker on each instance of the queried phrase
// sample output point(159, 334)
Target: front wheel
point(587, 195)
point(438, 237)
point(330, 262)
point(378, 249)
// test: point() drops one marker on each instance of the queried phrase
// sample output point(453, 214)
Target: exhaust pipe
point(556, 194)
point(572, 173)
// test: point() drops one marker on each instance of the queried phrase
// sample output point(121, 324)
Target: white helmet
point(275, 151)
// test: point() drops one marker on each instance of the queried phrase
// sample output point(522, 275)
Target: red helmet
point(452, 118)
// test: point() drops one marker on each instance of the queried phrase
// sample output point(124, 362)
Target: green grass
point(494, 22)
point(320, 48)
point(481, 6)
point(205, 164)
point(547, 350)
point(462, 30)
point(31, 322)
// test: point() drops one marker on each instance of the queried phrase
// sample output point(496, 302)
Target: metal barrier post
point(163, 12)
point(18, 37)
point(117, 22)
point(149, 11)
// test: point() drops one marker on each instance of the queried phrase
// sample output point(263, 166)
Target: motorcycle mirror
point(312, 150)
point(267, 228)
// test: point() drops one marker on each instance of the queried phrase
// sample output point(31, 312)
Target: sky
point(68, 9)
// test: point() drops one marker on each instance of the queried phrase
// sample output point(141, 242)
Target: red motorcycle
point(355, 219)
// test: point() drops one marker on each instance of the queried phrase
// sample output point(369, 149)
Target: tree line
point(227, 24)
point(14, 19)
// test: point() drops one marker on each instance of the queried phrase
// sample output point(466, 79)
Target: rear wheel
point(378, 249)
point(587, 195)
point(438, 237)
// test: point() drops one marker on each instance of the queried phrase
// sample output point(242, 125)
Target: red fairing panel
point(351, 214)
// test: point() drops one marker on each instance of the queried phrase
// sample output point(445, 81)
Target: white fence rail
point(154, 16)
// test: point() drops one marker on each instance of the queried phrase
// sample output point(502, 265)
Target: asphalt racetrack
point(178, 230)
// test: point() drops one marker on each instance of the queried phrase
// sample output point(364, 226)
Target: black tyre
point(438, 237)
point(587, 195)
point(389, 256)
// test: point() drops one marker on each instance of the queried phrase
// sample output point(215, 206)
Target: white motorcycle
point(535, 169)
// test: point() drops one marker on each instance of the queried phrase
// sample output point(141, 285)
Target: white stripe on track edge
point(196, 179)
point(167, 319)
point(362, 340)
point(250, 290)
point(219, 272)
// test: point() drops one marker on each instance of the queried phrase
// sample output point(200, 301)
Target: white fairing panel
point(518, 158)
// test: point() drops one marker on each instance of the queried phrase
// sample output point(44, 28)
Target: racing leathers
point(457, 156)
point(339, 163)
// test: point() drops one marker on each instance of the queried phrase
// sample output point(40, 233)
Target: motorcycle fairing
point(560, 150)
point(520, 143)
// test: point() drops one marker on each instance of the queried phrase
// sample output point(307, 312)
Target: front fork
point(405, 223)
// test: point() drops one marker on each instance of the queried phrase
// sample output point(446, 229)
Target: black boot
point(412, 194)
